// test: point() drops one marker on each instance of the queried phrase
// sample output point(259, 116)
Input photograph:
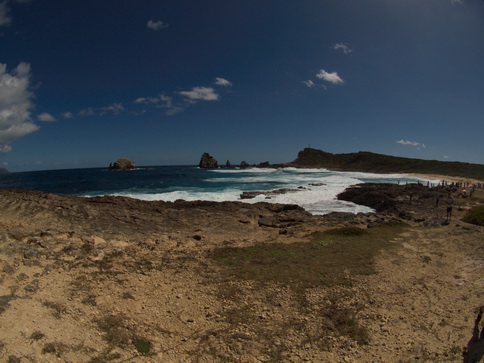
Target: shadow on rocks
point(474, 352)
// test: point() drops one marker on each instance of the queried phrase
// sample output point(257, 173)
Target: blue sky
point(83, 83)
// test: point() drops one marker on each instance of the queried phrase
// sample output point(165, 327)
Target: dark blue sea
point(317, 187)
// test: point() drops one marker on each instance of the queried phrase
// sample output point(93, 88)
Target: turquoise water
point(170, 183)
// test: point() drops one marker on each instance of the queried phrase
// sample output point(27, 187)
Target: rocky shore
point(117, 279)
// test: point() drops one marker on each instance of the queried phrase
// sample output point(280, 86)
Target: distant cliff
point(3, 171)
point(379, 163)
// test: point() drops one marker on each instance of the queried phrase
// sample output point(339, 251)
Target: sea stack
point(122, 164)
point(207, 162)
point(244, 165)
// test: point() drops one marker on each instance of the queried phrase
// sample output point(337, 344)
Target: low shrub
point(475, 216)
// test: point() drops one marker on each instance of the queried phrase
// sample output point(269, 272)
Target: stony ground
point(115, 279)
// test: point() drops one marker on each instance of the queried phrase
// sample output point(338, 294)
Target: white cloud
point(67, 115)
point(309, 83)
point(167, 103)
point(147, 100)
point(201, 94)
point(5, 18)
point(418, 145)
point(46, 117)
point(343, 47)
point(222, 82)
point(329, 77)
point(15, 105)
point(156, 25)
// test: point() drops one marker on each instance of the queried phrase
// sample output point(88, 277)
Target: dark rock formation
point(244, 164)
point(269, 193)
point(207, 162)
point(264, 164)
point(228, 164)
point(3, 171)
point(122, 164)
point(412, 202)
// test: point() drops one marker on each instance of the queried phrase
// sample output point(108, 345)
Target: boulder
point(207, 162)
point(122, 164)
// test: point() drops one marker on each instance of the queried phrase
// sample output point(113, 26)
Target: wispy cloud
point(416, 144)
point(222, 82)
point(456, 2)
point(333, 77)
point(179, 101)
point(15, 105)
point(342, 47)
point(156, 25)
point(169, 105)
point(147, 100)
point(115, 109)
point(46, 117)
point(5, 18)
point(309, 83)
point(201, 94)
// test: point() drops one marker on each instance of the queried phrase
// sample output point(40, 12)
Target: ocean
point(317, 188)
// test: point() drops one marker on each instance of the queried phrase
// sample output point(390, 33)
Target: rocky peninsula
point(112, 279)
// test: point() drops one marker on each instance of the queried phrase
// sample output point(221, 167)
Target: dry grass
point(326, 261)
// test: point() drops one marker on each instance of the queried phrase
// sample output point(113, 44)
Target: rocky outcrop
point(3, 171)
point(207, 162)
point(412, 202)
point(244, 164)
point(122, 164)
point(269, 193)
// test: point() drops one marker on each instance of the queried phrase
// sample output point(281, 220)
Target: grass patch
point(475, 216)
point(325, 264)
point(37, 335)
point(322, 261)
point(115, 329)
point(57, 308)
point(143, 346)
point(55, 348)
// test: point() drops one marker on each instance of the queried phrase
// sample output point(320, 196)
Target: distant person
point(464, 193)
point(450, 203)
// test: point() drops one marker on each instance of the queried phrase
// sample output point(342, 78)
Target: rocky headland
point(116, 279)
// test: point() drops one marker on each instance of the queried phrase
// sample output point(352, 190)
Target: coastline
point(97, 278)
point(447, 178)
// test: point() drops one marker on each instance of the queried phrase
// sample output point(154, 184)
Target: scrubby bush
point(475, 216)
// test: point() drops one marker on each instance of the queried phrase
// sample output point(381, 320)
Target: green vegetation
point(142, 346)
point(475, 216)
point(327, 261)
point(321, 261)
point(379, 163)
